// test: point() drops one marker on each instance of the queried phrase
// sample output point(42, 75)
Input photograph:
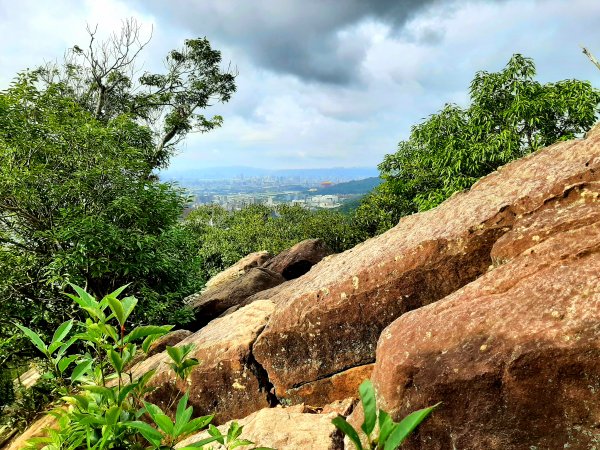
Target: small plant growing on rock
point(102, 405)
point(391, 434)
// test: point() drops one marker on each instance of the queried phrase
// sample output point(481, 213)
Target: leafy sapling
point(391, 434)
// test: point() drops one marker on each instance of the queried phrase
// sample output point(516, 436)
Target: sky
point(321, 83)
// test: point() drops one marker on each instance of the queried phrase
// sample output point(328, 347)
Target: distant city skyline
point(321, 83)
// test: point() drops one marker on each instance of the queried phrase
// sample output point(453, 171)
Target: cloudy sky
point(322, 83)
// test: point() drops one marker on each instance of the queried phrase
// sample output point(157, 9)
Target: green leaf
point(34, 338)
point(164, 423)
point(406, 426)
point(234, 431)
point(62, 331)
point(118, 291)
point(147, 330)
point(113, 414)
point(199, 423)
point(176, 354)
point(201, 442)
point(117, 309)
point(65, 362)
point(347, 429)
point(128, 306)
point(386, 426)
point(151, 434)
point(124, 392)
point(367, 396)
point(80, 370)
point(115, 360)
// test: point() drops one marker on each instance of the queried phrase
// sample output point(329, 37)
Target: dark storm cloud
point(299, 37)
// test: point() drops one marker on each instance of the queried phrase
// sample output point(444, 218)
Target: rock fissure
point(262, 376)
point(324, 377)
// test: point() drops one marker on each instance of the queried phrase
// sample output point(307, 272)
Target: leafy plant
point(390, 434)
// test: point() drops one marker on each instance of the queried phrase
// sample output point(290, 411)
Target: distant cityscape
point(306, 188)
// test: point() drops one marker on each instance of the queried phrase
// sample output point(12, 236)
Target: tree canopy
point(79, 201)
point(510, 115)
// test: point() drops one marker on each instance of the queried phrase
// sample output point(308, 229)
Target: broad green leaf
point(34, 338)
point(386, 425)
point(65, 362)
point(406, 426)
point(118, 291)
point(367, 396)
point(164, 423)
point(128, 306)
point(115, 360)
point(147, 330)
point(347, 429)
point(62, 331)
point(201, 443)
point(151, 434)
point(112, 415)
point(199, 423)
point(176, 354)
point(124, 392)
point(80, 370)
point(233, 432)
point(117, 308)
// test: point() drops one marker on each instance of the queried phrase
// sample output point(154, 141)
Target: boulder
point(228, 382)
point(169, 339)
point(329, 320)
point(286, 429)
point(37, 429)
point(255, 259)
point(515, 355)
point(296, 261)
point(217, 300)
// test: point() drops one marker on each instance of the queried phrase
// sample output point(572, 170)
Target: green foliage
point(510, 115)
point(76, 205)
point(228, 236)
point(390, 434)
point(107, 407)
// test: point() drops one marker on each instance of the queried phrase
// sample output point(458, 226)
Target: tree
point(510, 116)
point(78, 199)
point(101, 77)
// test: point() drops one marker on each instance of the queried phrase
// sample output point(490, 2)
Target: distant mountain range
point(334, 174)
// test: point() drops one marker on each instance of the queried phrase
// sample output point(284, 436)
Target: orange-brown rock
point(228, 382)
point(329, 320)
point(285, 429)
point(36, 429)
point(513, 356)
point(217, 300)
point(298, 260)
point(170, 339)
point(248, 262)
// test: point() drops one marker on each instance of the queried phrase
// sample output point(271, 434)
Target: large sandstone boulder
point(217, 300)
point(255, 259)
point(329, 321)
point(515, 355)
point(297, 260)
point(228, 382)
point(285, 429)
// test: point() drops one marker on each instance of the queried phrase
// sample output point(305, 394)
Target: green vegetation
point(510, 116)
point(225, 237)
point(107, 406)
point(78, 199)
point(390, 434)
point(352, 187)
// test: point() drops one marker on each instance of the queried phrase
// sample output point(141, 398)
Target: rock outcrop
point(227, 382)
point(286, 429)
point(296, 261)
point(217, 300)
point(248, 262)
point(515, 355)
point(169, 339)
point(329, 320)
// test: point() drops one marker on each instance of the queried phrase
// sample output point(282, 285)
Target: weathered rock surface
point(515, 355)
point(35, 430)
point(169, 339)
point(296, 261)
point(285, 429)
point(217, 300)
point(255, 259)
point(329, 320)
point(228, 382)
